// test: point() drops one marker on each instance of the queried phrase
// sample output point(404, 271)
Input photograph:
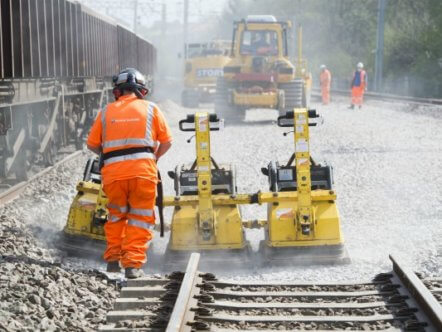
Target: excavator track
point(195, 301)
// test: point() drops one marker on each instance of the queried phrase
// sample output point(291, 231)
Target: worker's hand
point(162, 149)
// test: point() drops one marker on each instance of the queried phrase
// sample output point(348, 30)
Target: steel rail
point(181, 311)
point(386, 97)
point(420, 293)
point(401, 299)
point(15, 191)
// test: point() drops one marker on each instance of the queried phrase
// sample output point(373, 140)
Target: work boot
point(351, 107)
point(113, 266)
point(133, 273)
point(360, 106)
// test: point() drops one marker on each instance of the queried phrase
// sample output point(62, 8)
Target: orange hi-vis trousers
point(357, 95)
point(131, 218)
point(325, 92)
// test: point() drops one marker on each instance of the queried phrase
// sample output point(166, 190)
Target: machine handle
point(213, 118)
point(290, 115)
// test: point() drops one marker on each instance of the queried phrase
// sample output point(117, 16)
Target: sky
point(149, 11)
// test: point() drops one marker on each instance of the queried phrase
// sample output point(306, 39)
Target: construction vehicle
point(204, 63)
point(260, 73)
point(199, 224)
point(83, 233)
point(303, 223)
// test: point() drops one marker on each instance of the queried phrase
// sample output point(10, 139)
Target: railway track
point(195, 301)
point(14, 191)
point(383, 97)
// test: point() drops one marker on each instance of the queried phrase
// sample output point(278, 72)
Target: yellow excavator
point(204, 63)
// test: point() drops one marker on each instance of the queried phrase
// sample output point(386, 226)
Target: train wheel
point(50, 153)
point(21, 167)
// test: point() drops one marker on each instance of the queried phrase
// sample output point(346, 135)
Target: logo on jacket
point(125, 120)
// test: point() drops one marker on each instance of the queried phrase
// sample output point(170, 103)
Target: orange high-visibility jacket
point(126, 123)
point(325, 79)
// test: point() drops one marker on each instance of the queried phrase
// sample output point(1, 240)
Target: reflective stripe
point(140, 224)
point(122, 209)
point(141, 212)
point(114, 218)
point(121, 143)
point(149, 120)
point(133, 156)
point(125, 141)
point(103, 124)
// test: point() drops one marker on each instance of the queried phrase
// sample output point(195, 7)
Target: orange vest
point(325, 78)
point(128, 124)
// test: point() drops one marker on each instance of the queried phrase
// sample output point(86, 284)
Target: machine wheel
point(190, 98)
point(294, 94)
point(222, 105)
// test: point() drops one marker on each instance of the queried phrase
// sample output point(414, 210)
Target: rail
point(385, 97)
point(15, 191)
point(393, 301)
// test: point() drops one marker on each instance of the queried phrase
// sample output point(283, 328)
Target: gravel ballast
point(386, 159)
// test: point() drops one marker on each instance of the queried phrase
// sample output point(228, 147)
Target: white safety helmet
point(360, 65)
point(322, 67)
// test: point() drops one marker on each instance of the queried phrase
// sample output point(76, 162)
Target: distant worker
point(325, 81)
point(358, 86)
point(126, 133)
point(259, 43)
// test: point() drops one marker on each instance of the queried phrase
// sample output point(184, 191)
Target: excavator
point(204, 63)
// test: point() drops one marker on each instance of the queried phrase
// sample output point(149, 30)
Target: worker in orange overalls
point(358, 86)
point(325, 81)
point(125, 133)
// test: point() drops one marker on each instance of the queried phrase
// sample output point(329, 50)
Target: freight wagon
point(57, 59)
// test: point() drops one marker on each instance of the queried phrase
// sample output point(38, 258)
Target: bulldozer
point(199, 223)
point(303, 224)
point(260, 73)
point(204, 63)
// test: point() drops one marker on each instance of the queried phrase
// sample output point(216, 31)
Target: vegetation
point(340, 33)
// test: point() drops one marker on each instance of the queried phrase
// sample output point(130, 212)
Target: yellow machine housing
point(260, 73)
point(204, 64)
point(302, 211)
point(83, 233)
point(203, 225)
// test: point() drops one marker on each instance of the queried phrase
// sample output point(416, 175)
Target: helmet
point(129, 79)
point(360, 65)
point(322, 67)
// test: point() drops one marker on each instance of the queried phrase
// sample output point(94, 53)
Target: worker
point(325, 81)
point(260, 44)
point(358, 86)
point(125, 134)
